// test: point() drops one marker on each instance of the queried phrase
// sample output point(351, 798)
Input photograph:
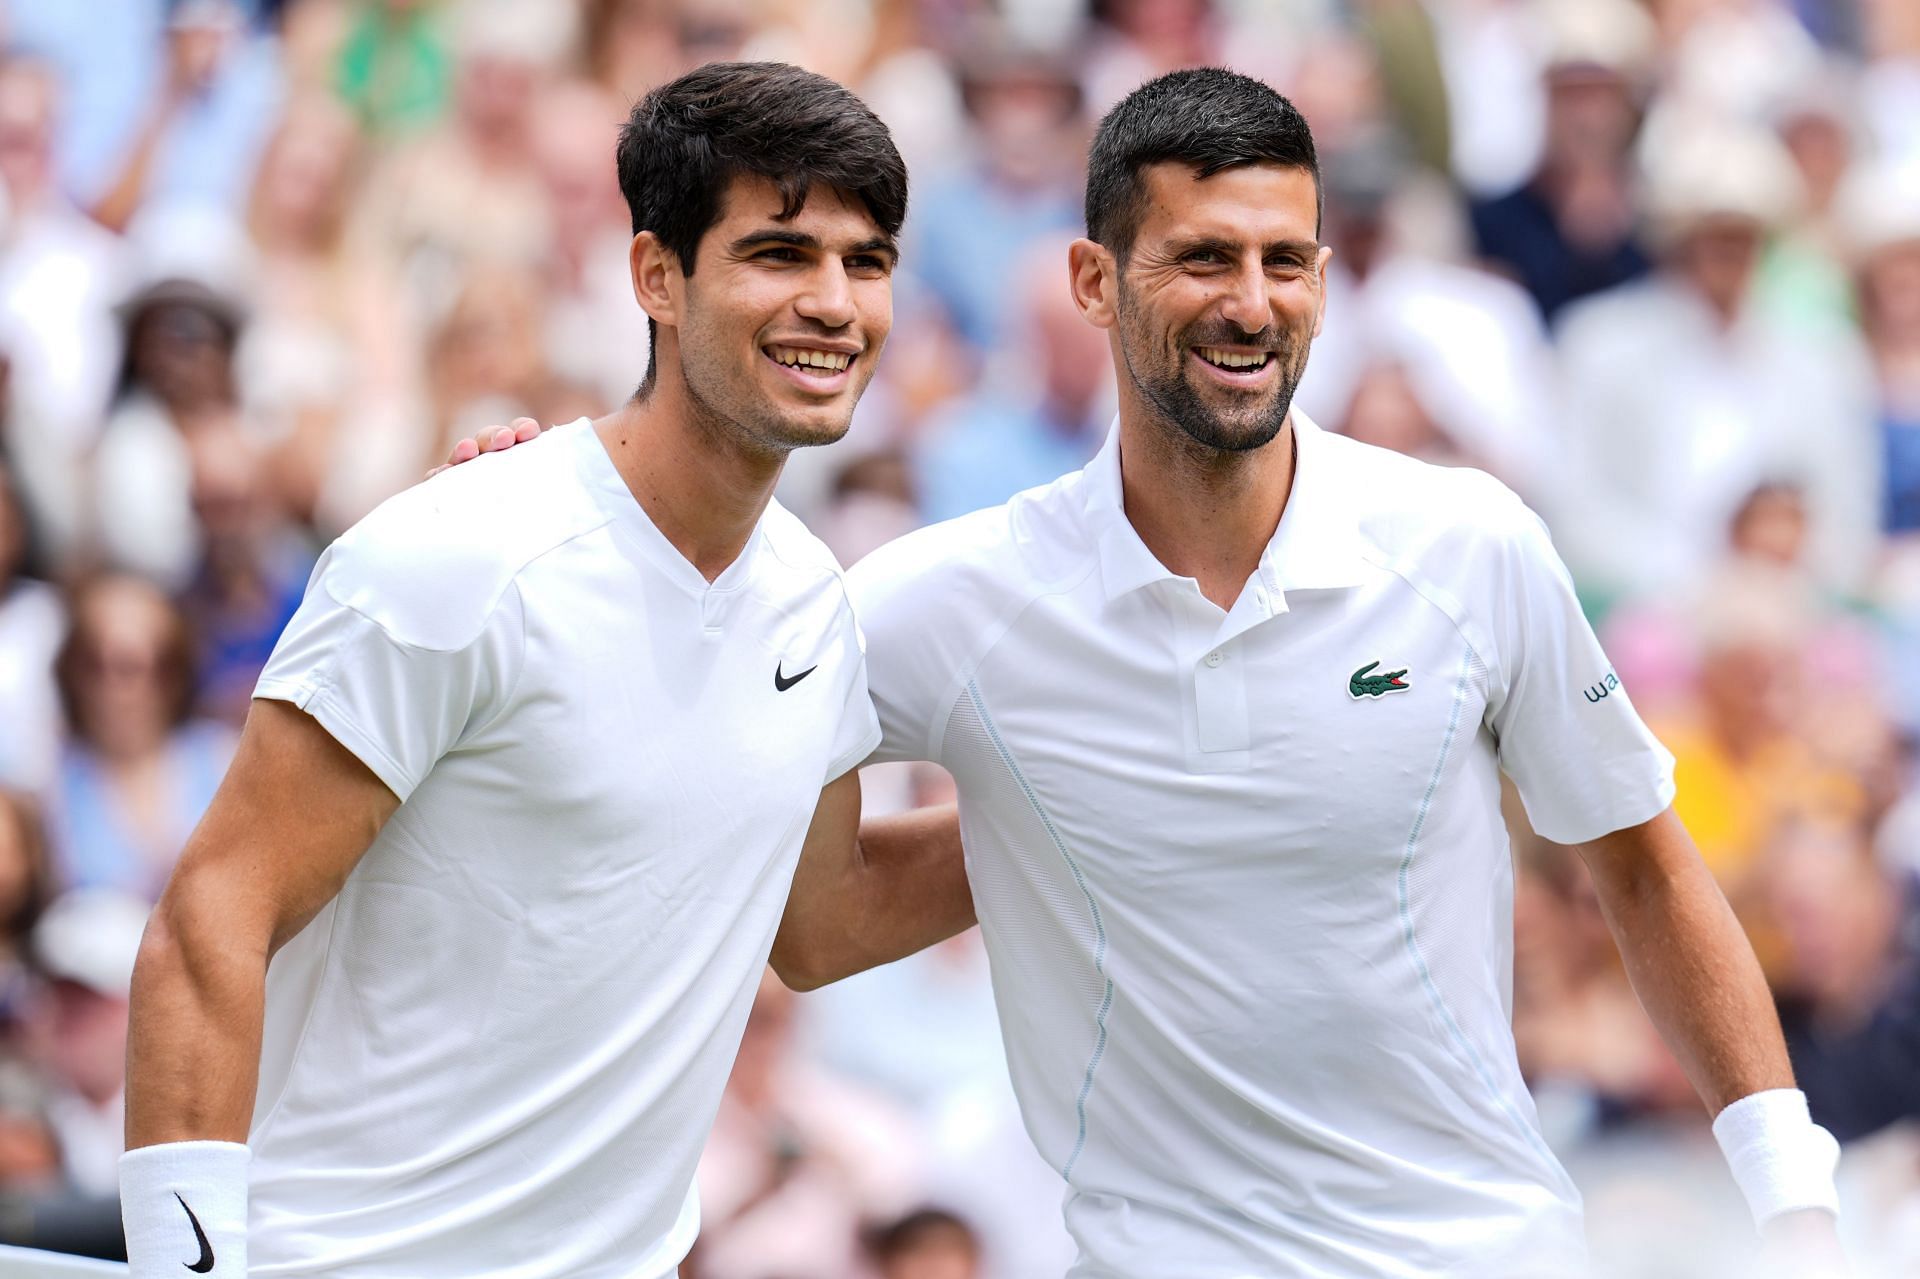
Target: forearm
point(193, 1049)
point(1695, 972)
point(115, 209)
point(900, 887)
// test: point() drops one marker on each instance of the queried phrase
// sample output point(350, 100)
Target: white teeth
point(833, 361)
point(1232, 359)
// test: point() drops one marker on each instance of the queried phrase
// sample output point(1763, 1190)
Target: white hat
point(1700, 169)
point(91, 936)
point(1614, 35)
point(1879, 207)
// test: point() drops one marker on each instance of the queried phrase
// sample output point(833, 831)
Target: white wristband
point(185, 1208)
point(1781, 1160)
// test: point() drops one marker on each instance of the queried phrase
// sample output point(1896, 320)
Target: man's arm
point(1695, 972)
point(869, 893)
point(292, 818)
point(1689, 960)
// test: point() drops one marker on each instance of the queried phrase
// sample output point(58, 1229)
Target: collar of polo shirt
point(1317, 546)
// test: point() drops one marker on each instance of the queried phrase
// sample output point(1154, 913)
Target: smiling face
point(779, 326)
point(1218, 299)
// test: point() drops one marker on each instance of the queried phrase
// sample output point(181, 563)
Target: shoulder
point(1405, 507)
point(962, 573)
point(430, 564)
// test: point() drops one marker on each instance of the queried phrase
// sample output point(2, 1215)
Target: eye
point(1203, 257)
point(779, 253)
point(870, 264)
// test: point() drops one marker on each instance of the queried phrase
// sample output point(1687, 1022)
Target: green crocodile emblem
point(1361, 684)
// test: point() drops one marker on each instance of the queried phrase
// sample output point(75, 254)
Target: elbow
point(798, 969)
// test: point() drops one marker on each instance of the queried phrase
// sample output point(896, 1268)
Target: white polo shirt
point(1242, 875)
point(498, 1051)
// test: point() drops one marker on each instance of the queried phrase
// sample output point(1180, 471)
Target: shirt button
point(1216, 657)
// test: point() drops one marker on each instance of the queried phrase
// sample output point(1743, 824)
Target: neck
point(702, 485)
point(1204, 513)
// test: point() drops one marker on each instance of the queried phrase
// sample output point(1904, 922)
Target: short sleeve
point(859, 729)
point(1568, 735)
point(399, 706)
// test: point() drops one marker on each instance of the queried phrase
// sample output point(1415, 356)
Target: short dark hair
point(690, 137)
point(1209, 118)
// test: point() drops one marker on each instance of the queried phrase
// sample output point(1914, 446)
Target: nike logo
point(1360, 684)
point(781, 683)
point(205, 1263)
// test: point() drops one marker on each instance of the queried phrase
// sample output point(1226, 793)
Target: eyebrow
point(801, 240)
point(1225, 247)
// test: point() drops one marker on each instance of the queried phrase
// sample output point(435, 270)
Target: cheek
point(874, 300)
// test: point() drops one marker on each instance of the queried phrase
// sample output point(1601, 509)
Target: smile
point(1235, 361)
point(813, 362)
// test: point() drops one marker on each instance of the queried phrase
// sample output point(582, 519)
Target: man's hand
point(491, 440)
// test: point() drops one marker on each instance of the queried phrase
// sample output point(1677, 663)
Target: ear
point(658, 281)
point(1094, 277)
point(1320, 307)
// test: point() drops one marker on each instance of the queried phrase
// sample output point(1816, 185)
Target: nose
point(1246, 302)
point(828, 298)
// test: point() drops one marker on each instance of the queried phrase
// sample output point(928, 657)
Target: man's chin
point(1240, 432)
point(809, 430)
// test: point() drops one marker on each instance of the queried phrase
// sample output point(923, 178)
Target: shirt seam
point(1440, 601)
point(949, 699)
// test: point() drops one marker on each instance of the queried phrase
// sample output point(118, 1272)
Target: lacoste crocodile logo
point(1360, 684)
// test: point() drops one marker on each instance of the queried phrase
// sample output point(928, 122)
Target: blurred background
point(1656, 263)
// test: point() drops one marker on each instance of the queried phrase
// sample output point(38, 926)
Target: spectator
point(928, 1243)
point(253, 571)
point(393, 67)
point(1850, 988)
point(797, 1160)
point(595, 336)
point(25, 887)
point(31, 623)
point(1882, 216)
point(1572, 229)
point(58, 280)
point(138, 770)
point(325, 339)
point(85, 944)
point(177, 379)
point(1020, 184)
point(1457, 356)
point(1681, 397)
point(1022, 427)
point(197, 141)
point(469, 190)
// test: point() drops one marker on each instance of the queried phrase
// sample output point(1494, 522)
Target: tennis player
point(516, 810)
point(1228, 711)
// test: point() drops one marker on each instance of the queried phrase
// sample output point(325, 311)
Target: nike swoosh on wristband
point(781, 683)
point(205, 1263)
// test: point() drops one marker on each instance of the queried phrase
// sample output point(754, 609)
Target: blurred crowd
point(1655, 263)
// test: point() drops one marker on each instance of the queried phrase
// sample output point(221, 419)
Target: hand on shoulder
point(492, 439)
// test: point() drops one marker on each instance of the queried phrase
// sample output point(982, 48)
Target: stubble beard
point(1167, 385)
point(733, 411)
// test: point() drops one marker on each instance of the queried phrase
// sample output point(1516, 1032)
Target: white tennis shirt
point(500, 1048)
point(1242, 875)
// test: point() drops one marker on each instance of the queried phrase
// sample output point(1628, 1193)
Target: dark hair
point(175, 658)
point(690, 137)
point(915, 1231)
point(1208, 118)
